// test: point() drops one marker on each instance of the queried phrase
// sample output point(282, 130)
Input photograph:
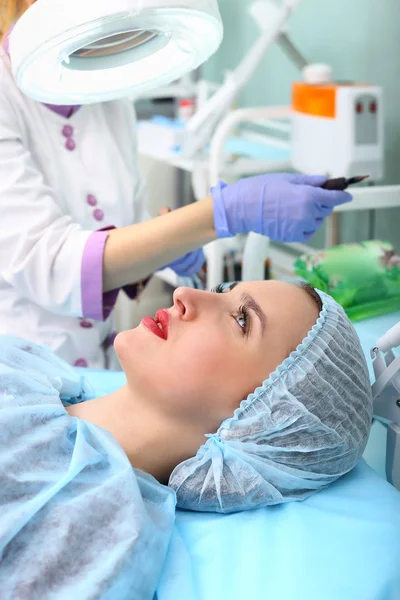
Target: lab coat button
point(91, 200)
point(67, 131)
point(98, 214)
point(86, 324)
point(81, 362)
point(70, 144)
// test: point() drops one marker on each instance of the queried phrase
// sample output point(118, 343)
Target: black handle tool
point(341, 183)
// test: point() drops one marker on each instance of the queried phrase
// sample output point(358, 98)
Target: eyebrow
point(251, 304)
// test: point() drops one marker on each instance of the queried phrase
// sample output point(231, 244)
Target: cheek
point(202, 359)
point(195, 373)
point(210, 377)
point(201, 377)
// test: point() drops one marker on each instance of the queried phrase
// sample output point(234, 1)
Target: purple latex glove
point(188, 265)
point(285, 207)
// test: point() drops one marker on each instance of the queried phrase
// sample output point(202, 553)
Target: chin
point(125, 346)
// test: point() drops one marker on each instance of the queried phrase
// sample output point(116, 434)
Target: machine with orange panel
point(337, 127)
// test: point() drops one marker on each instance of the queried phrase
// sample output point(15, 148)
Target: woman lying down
point(255, 395)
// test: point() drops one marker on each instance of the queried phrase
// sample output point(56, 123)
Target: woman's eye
point(219, 289)
point(242, 319)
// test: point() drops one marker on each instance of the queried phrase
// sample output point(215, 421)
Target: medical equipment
point(272, 20)
point(337, 128)
point(386, 396)
point(341, 183)
point(84, 52)
point(303, 428)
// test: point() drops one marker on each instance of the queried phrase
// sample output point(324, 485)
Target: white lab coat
point(45, 219)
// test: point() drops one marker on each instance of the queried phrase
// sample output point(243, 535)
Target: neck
point(152, 442)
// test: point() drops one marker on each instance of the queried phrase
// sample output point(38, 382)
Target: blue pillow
point(340, 544)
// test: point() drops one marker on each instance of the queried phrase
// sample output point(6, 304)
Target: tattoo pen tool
point(341, 183)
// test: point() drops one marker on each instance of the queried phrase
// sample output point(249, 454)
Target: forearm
point(132, 253)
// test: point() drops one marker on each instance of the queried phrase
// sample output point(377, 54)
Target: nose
point(188, 302)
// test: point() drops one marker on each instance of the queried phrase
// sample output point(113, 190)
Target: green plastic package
point(364, 278)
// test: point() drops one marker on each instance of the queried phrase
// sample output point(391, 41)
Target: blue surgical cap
point(303, 428)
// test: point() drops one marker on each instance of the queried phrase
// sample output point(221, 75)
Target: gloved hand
point(190, 263)
point(285, 207)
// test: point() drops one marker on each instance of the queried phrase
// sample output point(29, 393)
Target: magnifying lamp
point(85, 51)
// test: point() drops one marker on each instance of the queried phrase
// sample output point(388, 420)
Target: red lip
point(151, 324)
point(162, 317)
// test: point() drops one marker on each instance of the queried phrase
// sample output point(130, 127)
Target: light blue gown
point(76, 520)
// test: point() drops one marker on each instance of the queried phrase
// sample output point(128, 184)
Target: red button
point(70, 144)
point(98, 214)
point(91, 200)
point(67, 131)
point(359, 107)
point(373, 107)
point(86, 324)
point(81, 362)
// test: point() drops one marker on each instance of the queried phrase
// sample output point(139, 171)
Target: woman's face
point(214, 348)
